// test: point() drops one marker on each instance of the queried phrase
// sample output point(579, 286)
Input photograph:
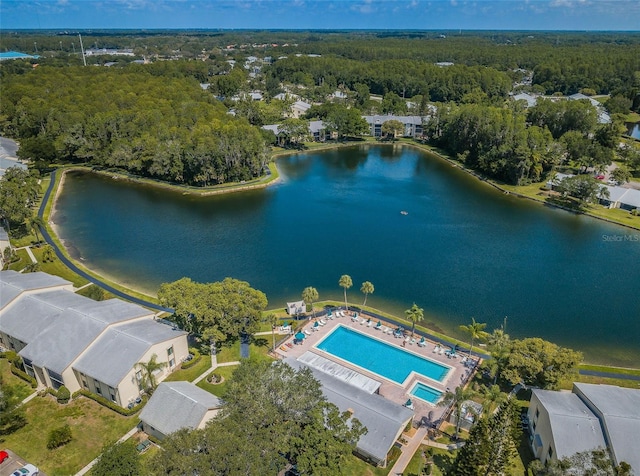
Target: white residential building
point(71, 340)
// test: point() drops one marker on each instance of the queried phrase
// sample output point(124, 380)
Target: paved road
point(75, 269)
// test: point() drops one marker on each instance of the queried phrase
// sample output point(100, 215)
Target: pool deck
point(397, 393)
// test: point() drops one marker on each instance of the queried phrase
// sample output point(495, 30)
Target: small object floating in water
point(404, 212)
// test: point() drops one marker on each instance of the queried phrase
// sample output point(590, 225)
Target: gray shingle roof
point(574, 426)
point(46, 320)
point(13, 283)
point(119, 348)
point(416, 120)
point(383, 418)
point(177, 405)
point(619, 408)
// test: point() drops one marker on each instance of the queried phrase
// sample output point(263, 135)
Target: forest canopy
point(161, 127)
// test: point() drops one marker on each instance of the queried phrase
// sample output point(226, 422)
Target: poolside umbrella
point(379, 324)
point(315, 324)
point(300, 336)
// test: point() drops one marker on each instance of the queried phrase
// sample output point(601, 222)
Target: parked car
point(3, 456)
point(600, 177)
point(27, 470)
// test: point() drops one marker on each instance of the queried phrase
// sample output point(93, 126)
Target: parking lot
point(13, 463)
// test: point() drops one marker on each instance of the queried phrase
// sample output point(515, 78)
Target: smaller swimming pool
point(426, 393)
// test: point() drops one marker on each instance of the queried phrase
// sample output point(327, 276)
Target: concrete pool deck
point(399, 393)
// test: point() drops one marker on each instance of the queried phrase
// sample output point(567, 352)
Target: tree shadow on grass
point(444, 462)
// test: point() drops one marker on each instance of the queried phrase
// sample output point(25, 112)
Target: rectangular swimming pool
point(386, 360)
point(426, 393)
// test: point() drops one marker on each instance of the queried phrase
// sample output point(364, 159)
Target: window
point(112, 394)
point(98, 391)
point(84, 383)
point(170, 351)
point(56, 379)
point(172, 363)
point(537, 413)
point(550, 452)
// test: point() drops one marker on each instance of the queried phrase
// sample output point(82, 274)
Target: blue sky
point(323, 14)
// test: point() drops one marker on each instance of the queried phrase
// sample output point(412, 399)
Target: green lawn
point(191, 373)
point(22, 387)
point(92, 427)
point(355, 466)
point(57, 268)
point(218, 390)
point(230, 352)
point(23, 261)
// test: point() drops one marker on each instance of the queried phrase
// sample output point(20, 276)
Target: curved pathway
point(85, 275)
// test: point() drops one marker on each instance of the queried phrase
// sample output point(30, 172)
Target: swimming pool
point(426, 393)
point(386, 360)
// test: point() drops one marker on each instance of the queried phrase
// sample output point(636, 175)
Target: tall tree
point(18, 194)
point(392, 128)
point(119, 458)
point(273, 320)
point(310, 295)
point(366, 289)
point(456, 399)
point(476, 331)
point(148, 370)
point(414, 314)
point(34, 223)
point(537, 362)
point(272, 416)
point(345, 283)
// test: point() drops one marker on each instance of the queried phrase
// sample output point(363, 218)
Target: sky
point(322, 14)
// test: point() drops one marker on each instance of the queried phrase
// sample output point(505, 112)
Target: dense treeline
point(403, 77)
point(520, 147)
point(564, 62)
point(158, 126)
point(496, 141)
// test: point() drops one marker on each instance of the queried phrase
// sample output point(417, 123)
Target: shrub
point(24, 376)
point(635, 212)
point(59, 436)
point(63, 395)
point(196, 358)
point(9, 355)
point(109, 404)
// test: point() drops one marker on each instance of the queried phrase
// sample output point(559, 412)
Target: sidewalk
point(408, 451)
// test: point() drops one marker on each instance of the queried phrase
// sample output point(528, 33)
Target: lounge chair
point(354, 318)
point(422, 342)
point(441, 350)
point(322, 322)
point(307, 331)
point(378, 326)
point(369, 322)
point(290, 345)
point(407, 339)
point(340, 313)
point(436, 349)
point(413, 341)
point(283, 348)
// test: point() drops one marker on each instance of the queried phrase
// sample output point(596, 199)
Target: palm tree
point(456, 399)
point(476, 331)
point(493, 397)
point(35, 222)
point(366, 289)
point(310, 294)
point(415, 314)
point(148, 381)
point(273, 320)
point(345, 282)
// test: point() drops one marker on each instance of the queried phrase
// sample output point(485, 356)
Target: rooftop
point(177, 405)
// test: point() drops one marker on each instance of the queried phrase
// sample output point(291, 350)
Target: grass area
point(92, 426)
point(632, 117)
point(568, 385)
point(56, 267)
point(191, 373)
point(354, 465)
point(442, 457)
point(259, 347)
point(23, 260)
point(611, 370)
point(23, 389)
point(218, 389)
point(89, 290)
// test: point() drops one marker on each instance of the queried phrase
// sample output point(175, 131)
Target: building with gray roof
point(177, 405)
point(412, 124)
point(68, 339)
point(619, 412)
point(384, 419)
point(592, 416)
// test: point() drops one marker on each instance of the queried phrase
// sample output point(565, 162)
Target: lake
point(462, 249)
point(633, 129)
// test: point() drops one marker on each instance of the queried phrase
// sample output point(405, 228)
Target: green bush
point(24, 376)
point(9, 355)
point(63, 395)
point(635, 212)
point(109, 404)
point(196, 358)
point(59, 437)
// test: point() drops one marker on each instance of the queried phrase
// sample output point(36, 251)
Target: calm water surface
point(463, 249)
